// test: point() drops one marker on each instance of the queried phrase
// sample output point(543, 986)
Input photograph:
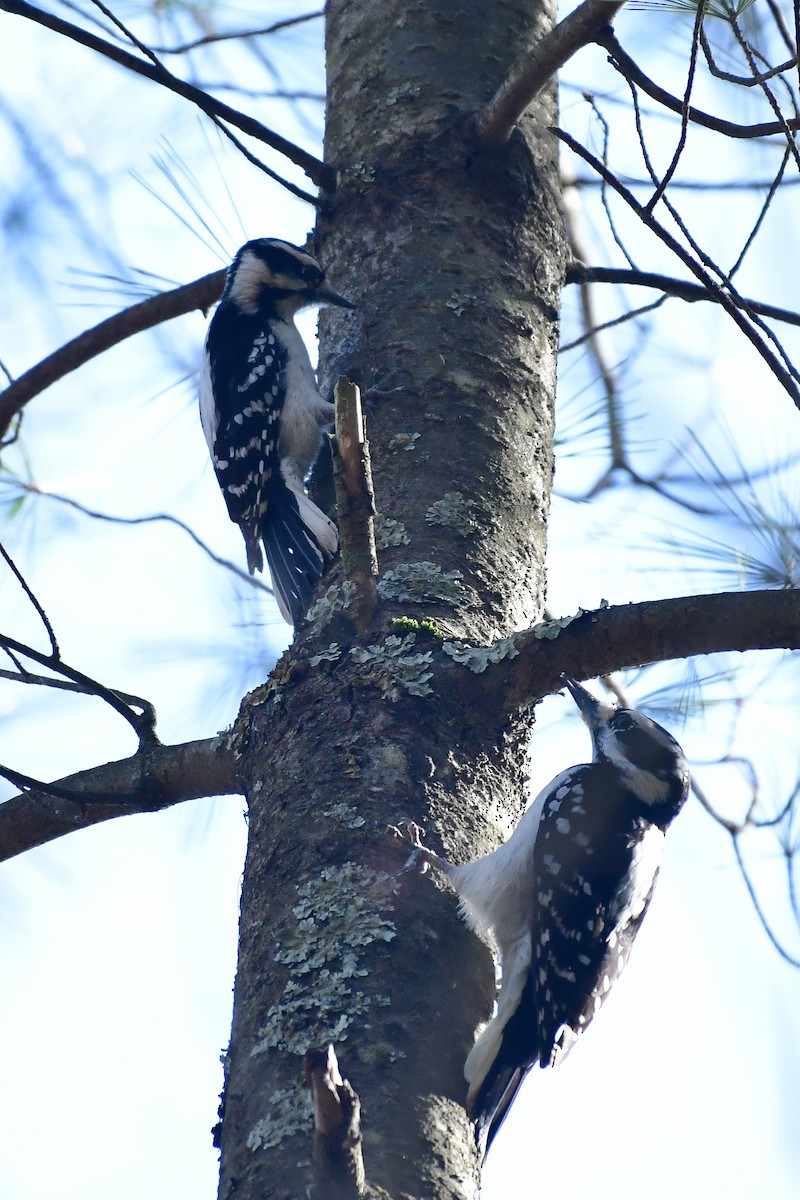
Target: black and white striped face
point(650, 760)
point(272, 275)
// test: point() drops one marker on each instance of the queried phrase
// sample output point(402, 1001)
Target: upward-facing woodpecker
point(262, 415)
point(564, 897)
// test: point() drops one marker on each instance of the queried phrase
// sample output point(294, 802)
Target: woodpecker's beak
point(326, 295)
point(586, 702)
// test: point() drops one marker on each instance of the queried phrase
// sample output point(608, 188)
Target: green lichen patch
point(424, 583)
point(332, 654)
point(390, 533)
point(338, 916)
point(336, 598)
point(345, 815)
point(404, 441)
point(426, 626)
point(477, 658)
point(392, 668)
point(455, 511)
point(290, 1113)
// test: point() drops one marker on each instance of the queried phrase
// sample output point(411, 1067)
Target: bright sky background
point(119, 943)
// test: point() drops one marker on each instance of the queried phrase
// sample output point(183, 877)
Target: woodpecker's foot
point(420, 857)
point(380, 389)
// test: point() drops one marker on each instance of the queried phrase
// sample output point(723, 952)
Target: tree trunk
point(456, 259)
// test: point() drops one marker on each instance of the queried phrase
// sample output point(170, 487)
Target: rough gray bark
point(456, 258)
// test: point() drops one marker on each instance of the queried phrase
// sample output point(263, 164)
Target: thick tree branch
point(147, 782)
point(496, 121)
point(631, 635)
point(634, 74)
point(579, 273)
point(200, 294)
point(316, 171)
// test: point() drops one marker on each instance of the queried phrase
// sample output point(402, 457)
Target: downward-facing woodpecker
point(564, 897)
point(262, 415)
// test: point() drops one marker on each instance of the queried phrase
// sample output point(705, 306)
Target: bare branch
point(152, 518)
point(153, 779)
point(239, 35)
point(634, 74)
point(730, 300)
point(43, 617)
point(200, 294)
point(142, 722)
point(316, 171)
point(496, 121)
point(691, 292)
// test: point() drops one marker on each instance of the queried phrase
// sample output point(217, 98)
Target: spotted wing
point(246, 369)
point(596, 858)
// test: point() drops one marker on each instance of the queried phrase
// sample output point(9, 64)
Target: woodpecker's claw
point(419, 859)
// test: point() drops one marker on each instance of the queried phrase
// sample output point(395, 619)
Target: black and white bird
point(562, 900)
point(262, 415)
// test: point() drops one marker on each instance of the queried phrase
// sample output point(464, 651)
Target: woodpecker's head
point(651, 761)
point(275, 278)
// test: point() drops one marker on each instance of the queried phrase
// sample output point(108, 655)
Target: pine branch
point(149, 781)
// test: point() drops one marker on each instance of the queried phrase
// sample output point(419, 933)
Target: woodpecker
point(562, 900)
point(262, 415)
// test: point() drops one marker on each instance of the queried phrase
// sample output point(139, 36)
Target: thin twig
point(602, 326)
point(239, 35)
point(151, 519)
point(318, 172)
point(742, 80)
point(632, 72)
point(706, 260)
point(262, 166)
point(751, 891)
point(143, 723)
point(43, 617)
point(673, 166)
point(579, 273)
point(724, 298)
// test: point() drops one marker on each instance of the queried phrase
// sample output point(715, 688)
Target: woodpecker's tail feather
point(299, 540)
point(490, 1107)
